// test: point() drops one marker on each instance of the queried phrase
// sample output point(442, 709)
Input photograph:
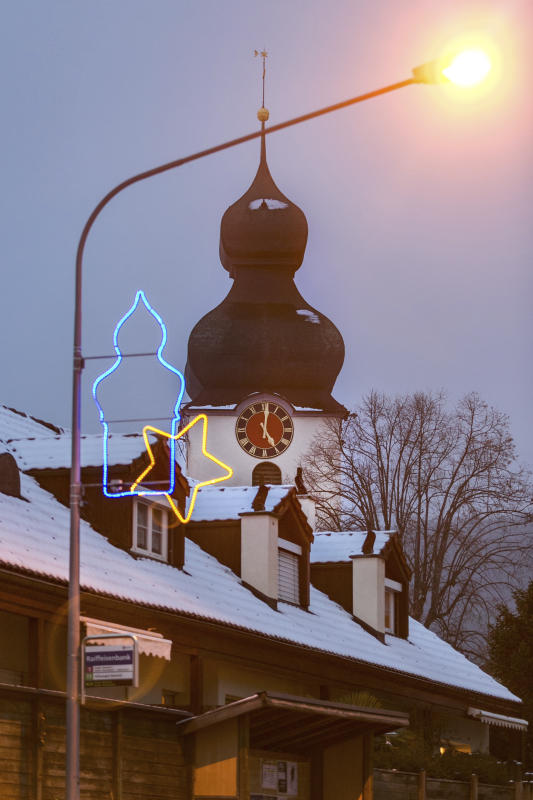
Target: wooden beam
point(36, 651)
point(38, 736)
point(368, 766)
point(116, 734)
point(289, 736)
point(196, 684)
point(324, 735)
point(263, 722)
point(243, 775)
point(317, 774)
point(334, 736)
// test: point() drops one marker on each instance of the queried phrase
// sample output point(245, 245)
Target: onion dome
point(264, 337)
point(263, 228)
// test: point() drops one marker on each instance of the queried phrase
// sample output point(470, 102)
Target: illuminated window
point(392, 603)
point(150, 530)
point(169, 698)
point(451, 746)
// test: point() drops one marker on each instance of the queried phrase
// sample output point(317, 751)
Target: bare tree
point(447, 481)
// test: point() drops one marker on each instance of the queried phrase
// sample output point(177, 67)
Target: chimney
point(259, 548)
point(9, 476)
point(368, 586)
point(368, 544)
point(259, 553)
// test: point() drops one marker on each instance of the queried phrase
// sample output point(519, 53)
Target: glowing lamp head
point(468, 68)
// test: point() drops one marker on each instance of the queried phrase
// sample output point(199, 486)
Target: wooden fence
point(394, 785)
point(126, 753)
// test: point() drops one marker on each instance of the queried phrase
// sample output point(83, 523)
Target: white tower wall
point(222, 442)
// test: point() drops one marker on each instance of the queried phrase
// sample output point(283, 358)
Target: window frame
point(393, 590)
point(148, 551)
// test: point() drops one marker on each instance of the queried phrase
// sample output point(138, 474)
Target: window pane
point(142, 526)
point(157, 541)
point(157, 520)
point(157, 531)
point(142, 515)
point(142, 538)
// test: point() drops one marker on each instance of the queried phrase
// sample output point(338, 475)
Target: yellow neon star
point(210, 456)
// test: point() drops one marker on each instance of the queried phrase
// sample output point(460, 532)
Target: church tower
point(263, 363)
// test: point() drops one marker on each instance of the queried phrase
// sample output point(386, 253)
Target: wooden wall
point(335, 580)
point(221, 539)
point(15, 749)
point(124, 754)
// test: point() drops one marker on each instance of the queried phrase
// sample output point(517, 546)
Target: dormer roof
point(229, 502)
point(224, 504)
point(340, 546)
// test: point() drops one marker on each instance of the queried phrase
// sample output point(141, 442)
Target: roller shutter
point(288, 582)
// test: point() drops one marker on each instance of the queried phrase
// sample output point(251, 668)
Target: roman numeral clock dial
point(264, 430)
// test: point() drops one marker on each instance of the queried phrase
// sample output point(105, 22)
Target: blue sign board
point(109, 665)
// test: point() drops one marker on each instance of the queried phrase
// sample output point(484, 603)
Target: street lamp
point(431, 73)
point(466, 69)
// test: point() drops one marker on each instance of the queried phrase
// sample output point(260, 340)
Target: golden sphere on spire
point(263, 114)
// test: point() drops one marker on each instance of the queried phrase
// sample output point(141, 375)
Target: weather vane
point(264, 55)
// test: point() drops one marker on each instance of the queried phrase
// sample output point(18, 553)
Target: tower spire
point(264, 336)
point(263, 53)
point(263, 113)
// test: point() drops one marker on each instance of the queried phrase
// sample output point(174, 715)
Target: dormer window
point(150, 530)
point(392, 605)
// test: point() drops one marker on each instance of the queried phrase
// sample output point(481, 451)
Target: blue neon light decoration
point(140, 297)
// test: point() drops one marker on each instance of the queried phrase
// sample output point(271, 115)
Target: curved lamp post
point(431, 73)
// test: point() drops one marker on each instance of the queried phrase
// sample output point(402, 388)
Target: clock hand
point(266, 435)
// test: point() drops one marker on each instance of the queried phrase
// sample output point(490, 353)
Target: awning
point(295, 724)
point(498, 719)
point(150, 642)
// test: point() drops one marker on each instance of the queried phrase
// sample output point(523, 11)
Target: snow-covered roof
point(38, 445)
point(54, 452)
point(34, 537)
point(226, 503)
point(221, 407)
point(16, 425)
point(335, 546)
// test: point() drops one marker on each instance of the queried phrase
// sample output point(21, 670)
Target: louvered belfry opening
point(266, 472)
point(288, 577)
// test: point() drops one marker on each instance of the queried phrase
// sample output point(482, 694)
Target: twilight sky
point(418, 203)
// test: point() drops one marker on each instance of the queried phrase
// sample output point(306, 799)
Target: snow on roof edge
point(262, 634)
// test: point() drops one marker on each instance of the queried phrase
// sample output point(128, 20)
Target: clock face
point(264, 430)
